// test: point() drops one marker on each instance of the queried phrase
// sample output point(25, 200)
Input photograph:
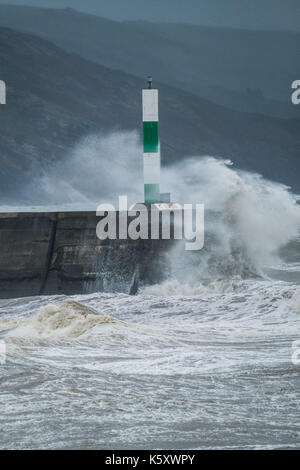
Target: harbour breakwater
point(59, 253)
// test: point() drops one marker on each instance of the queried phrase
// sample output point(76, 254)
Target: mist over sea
point(202, 360)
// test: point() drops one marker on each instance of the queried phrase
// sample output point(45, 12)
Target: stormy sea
point(206, 359)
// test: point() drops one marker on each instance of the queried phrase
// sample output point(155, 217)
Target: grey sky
point(254, 14)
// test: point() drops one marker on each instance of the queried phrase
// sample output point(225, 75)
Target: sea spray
point(247, 218)
point(90, 173)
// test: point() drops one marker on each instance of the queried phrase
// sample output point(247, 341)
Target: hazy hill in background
point(54, 98)
point(247, 14)
point(250, 71)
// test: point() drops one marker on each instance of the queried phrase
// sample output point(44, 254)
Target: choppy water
point(202, 361)
point(206, 368)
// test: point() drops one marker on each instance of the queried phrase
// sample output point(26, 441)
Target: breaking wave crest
point(66, 321)
point(248, 220)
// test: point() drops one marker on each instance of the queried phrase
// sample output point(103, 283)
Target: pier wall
point(59, 253)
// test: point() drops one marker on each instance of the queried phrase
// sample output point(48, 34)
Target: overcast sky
point(254, 14)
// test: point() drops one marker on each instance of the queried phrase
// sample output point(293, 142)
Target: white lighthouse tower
point(151, 145)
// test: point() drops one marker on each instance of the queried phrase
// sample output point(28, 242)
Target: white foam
point(65, 321)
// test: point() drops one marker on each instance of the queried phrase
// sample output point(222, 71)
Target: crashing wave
point(66, 321)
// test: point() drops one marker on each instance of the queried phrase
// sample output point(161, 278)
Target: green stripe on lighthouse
point(150, 131)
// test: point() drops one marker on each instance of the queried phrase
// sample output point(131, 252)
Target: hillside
point(251, 71)
point(54, 98)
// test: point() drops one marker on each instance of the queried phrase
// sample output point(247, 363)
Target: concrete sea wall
point(59, 253)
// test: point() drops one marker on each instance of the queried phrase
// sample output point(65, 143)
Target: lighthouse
point(151, 145)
